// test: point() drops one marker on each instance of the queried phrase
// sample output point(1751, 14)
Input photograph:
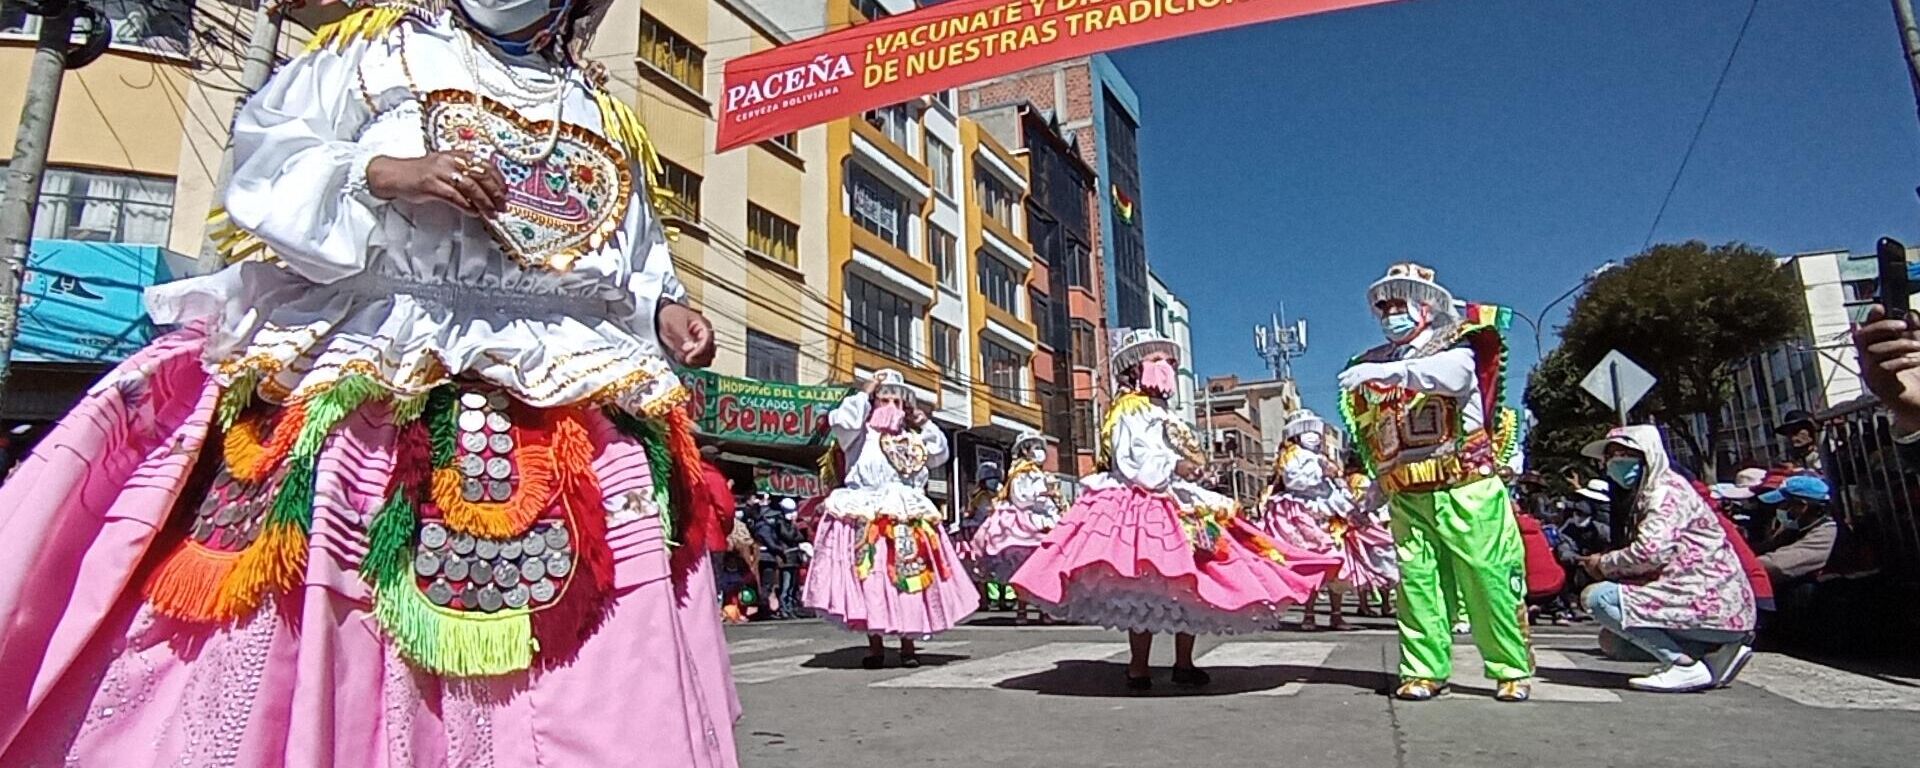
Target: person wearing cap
point(1425, 411)
point(1802, 434)
point(1677, 590)
point(1147, 550)
point(1804, 531)
point(1308, 507)
point(882, 561)
point(1026, 507)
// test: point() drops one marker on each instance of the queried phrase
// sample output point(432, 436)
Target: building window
point(946, 353)
point(1083, 426)
point(1160, 316)
point(877, 208)
point(896, 121)
point(1042, 316)
point(787, 141)
point(996, 199)
point(998, 282)
point(772, 236)
point(882, 320)
point(675, 56)
point(869, 9)
point(684, 201)
point(1079, 265)
point(770, 359)
point(945, 98)
point(1004, 369)
point(156, 25)
point(944, 252)
point(1083, 352)
point(104, 207)
point(940, 162)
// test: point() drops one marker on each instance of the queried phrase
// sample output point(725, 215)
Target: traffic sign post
point(1618, 382)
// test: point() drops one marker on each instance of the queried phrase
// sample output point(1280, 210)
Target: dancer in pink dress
point(1027, 508)
point(882, 561)
point(1373, 566)
point(1308, 507)
point(411, 487)
point(1146, 550)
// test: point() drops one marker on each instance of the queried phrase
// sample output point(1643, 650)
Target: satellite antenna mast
point(1279, 343)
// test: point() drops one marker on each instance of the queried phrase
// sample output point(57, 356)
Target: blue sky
point(1513, 145)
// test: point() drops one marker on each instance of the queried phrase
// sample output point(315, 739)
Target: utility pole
point(263, 43)
point(1910, 42)
point(52, 57)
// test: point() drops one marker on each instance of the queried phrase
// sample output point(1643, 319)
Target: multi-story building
point(1240, 466)
point(1171, 319)
point(1097, 110)
point(1068, 316)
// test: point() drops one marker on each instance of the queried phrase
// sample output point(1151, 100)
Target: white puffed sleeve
point(1141, 453)
point(936, 442)
point(849, 419)
point(1449, 373)
point(653, 278)
point(299, 169)
point(1303, 472)
point(1027, 486)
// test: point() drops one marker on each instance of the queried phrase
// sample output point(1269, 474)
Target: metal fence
point(1876, 490)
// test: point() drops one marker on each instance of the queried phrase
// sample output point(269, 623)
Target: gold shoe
point(1513, 691)
point(1420, 690)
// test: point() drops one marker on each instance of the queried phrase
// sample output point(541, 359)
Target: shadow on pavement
point(1108, 679)
point(849, 658)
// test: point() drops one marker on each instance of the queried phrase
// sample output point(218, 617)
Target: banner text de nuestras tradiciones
point(1007, 28)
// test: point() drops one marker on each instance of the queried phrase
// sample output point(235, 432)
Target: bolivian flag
point(1122, 205)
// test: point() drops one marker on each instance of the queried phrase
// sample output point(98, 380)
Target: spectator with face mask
point(1803, 533)
point(1803, 440)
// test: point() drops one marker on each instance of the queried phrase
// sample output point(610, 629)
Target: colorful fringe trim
point(496, 520)
point(619, 123)
point(454, 643)
point(367, 23)
point(926, 553)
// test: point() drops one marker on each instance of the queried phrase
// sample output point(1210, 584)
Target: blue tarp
point(80, 301)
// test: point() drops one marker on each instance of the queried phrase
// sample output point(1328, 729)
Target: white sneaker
point(1675, 679)
point(1727, 661)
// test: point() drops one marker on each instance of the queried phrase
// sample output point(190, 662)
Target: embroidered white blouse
point(870, 486)
point(414, 294)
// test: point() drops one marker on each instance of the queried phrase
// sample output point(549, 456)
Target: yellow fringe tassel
point(364, 24)
point(453, 643)
point(234, 244)
point(624, 127)
point(187, 585)
point(274, 563)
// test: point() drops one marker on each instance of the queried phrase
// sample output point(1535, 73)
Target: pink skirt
point(94, 675)
point(1372, 562)
point(1120, 559)
point(866, 584)
point(1007, 538)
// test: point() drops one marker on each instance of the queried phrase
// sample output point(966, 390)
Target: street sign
point(1619, 383)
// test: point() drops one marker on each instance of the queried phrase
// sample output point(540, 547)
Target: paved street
point(992, 694)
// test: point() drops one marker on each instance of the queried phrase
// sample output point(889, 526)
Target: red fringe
point(701, 530)
point(562, 628)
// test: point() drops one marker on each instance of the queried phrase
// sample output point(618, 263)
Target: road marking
point(1245, 654)
point(989, 671)
point(770, 670)
point(1818, 685)
point(1468, 663)
point(763, 644)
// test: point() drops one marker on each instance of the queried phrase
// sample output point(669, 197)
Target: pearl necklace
point(468, 57)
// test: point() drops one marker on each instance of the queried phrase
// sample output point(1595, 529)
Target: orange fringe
point(274, 562)
point(187, 585)
point(251, 460)
point(501, 519)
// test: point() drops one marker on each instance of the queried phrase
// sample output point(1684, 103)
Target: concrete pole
point(263, 43)
point(28, 166)
point(1909, 42)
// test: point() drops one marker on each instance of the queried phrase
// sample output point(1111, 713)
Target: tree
point(1688, 313)
point(1565, 418)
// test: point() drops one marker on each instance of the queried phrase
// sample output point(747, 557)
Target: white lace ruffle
point(1102, 597)
point(900, 502)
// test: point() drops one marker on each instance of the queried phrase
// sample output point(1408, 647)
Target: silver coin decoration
point(456, 569)
point(501, 490)
point(487, 549)
point(203, 531)
point(473, 442)
point(472, 489)
point(473, 400)
point(533, 569)
point(534, 544)
point(501, 443)
point(499, 468)
point(480, 572)
point(440, 592)
point(227, 514)
point(472, 465)
point(557, 537)
point(497, 401)
point(490, 598)
point(510, 550)
point(506, 574)
point(542, 591)
point(559, 564)
point(470, 597)
point(433, 535)
point(515, 596)
point(426, 564)
point(463, 544)
point(473, 421)
point(497, 422)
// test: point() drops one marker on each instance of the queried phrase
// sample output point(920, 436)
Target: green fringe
point(441, 429)
point(325, 410)
point(235, 399)
point(652, 436)
point(407, 409)
point(388, 541)
point(451, 643)
point(293, 505)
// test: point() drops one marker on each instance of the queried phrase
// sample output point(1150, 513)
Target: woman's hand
point(1591, 564)
point(1889, 350)
point(453, 178)
point(684, 334)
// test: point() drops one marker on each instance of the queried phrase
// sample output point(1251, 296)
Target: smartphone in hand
point(1894, 290)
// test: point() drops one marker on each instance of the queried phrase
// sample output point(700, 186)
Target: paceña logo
point(823, 70)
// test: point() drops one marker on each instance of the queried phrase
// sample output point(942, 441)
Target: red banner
point(944, 46)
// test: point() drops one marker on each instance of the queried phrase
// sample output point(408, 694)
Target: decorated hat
point(1140, 342)
point(891, 383)
point(1300, 422)
point(1413, 284)
point(1028, 439)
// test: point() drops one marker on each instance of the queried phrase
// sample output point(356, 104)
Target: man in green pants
point(1425, 412)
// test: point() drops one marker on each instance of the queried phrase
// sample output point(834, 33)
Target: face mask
point(496, 18)
point(1157, 376)
point(1310, 441)
point(1399, 325)
point(1037, 454)
point(1625, 472)
point(886, 417)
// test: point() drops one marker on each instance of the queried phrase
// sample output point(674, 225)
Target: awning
point(80, 301)
point(760, 412)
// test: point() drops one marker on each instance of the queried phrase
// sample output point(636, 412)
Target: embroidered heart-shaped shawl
point(905, 451)
point(559, 209)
